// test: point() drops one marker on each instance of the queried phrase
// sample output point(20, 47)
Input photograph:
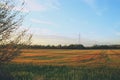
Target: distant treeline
point(71, 46)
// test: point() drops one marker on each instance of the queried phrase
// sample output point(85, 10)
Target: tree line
point(71, 46)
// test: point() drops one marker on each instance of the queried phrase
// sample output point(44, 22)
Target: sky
point(87, 22)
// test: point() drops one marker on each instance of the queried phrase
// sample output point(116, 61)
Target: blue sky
point(61, 21)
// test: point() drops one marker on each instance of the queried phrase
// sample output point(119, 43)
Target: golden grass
point(69, 57)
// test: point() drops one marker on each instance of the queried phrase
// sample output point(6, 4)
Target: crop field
point(53, 64)
point(69, 57)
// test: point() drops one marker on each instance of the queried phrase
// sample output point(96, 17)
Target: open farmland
point(61, 64)
point(69, 57)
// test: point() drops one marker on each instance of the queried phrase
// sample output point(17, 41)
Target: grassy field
point(63, 65)
point(70, 57)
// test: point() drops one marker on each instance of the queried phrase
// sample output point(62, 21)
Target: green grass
point(50, 72)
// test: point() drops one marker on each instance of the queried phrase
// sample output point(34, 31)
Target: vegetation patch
point(54, 72)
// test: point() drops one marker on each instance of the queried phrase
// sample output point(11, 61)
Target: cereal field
point(69, 57)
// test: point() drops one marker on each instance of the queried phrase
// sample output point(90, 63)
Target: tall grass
point(50, 72)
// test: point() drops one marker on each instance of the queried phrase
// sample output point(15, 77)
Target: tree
point(11, 39)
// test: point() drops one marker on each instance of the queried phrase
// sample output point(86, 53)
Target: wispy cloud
point(117, 33)
point(99, 9)
point(55, 4)
point(38, 30)
point(42, 22)
point(40, 5)
point(53, 39)
point(33, 5)
point(91, 3)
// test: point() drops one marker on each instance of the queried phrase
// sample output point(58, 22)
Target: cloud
point(99, 10)
point(91, 3)
point(52, 4)
point(53, 39)
point(38, 30)
point(39, 5)
point(33, 5)
point(42, 22)
point(42, 31)
point(117, 33)
point(47, 36)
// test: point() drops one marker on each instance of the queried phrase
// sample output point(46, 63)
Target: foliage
point(71, 46)
point(10, 21)
point(49, 72)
